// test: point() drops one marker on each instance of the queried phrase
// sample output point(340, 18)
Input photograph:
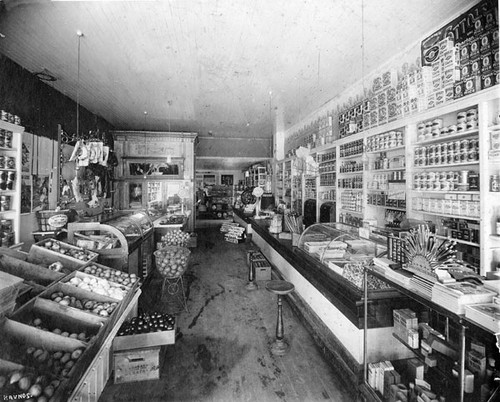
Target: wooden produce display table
point(99, 370)
point(127, 244)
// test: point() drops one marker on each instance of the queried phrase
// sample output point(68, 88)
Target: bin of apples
point(145, 323)
point(175, 238)
point(172, 261)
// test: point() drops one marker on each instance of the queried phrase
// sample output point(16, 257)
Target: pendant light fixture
point(80, 36)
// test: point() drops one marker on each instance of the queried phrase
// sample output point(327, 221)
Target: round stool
point(280, 288)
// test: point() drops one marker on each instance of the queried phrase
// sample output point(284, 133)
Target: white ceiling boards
point(223, 66)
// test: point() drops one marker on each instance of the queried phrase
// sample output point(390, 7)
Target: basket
point(49, 221)
point(172, 261)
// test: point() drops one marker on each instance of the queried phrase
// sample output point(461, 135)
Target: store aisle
point(222, 350)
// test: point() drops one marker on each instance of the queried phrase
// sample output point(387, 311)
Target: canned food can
point(437, 185)
point(456, 146)
point(437, 124)
point(2, 162)
point(17, 120)
point(4, 203)
point(2, 138)
point(461, 117)
point(471, 125)
point(461, 127)
point(10, 162)
point(464, 145)
point(8, 139)
point(11, 176)
point(3, 180)
point(471, 114)
point(452, 129)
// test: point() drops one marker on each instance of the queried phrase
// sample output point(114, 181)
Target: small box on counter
point(137, 365)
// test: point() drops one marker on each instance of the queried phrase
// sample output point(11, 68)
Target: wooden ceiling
point(218, 67)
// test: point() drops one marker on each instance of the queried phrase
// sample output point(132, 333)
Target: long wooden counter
point(331, 306)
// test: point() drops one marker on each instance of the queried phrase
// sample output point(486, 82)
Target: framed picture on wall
point(226, 179)
point(209, 179)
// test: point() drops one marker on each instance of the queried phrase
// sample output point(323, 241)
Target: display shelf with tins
point(327, 180)
point(10, 182)
point(257, 176)
point(448, 169)
point(386, 179)
point(279, 183)
point(489, 123)
point(297, 193)
point(350, 182)
point(442, 348)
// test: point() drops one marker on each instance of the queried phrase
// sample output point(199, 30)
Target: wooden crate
point(262, 270)
point(138, 341)
point(33, 274)
point(136, 365)
point(39, 254)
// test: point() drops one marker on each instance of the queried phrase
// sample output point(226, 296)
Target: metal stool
point(280, 288)
point(175, 288)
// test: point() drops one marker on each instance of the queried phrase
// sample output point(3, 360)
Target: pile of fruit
point(27, 385)
point(103, 309)
point(175, 238)
point(82, 336)
point(144, 323)
point(111, 274)
point(100, 286)
point(78, 253)
point(172, 261)
point(60, 363)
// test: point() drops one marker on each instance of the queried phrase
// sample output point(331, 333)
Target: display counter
point(124, 241)
point(329, 297)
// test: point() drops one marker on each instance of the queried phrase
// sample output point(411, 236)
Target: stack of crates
point(260, 264)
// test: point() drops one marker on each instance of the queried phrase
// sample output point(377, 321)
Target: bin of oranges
point(172, 261)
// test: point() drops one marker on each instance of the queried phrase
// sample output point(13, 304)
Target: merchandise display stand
point(173, 289)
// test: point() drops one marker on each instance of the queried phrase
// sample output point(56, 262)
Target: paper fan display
point(425, 253)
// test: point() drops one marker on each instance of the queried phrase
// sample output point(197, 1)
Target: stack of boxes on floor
point(136, 357)
point(259, 264)
point(233, 232)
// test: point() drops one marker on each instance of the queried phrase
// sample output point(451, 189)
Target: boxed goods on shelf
point(51, 251)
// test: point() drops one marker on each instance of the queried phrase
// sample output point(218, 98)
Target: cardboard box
point(136, 365)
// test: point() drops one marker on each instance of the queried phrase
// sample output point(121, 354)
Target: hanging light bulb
point(80, 36)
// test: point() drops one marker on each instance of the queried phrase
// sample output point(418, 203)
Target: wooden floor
point(222, 350)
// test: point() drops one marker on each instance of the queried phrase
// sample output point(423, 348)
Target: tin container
point(10, 162)
point(452, 129)
point(11, 176)
point(8, 139)
point(461, 117)
point(2, 162)
point(4, 203)
point(471, 114)
point(2, 138)
point(3, 180)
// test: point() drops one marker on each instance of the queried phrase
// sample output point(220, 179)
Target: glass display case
point(339, 248)
point(124, 242)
